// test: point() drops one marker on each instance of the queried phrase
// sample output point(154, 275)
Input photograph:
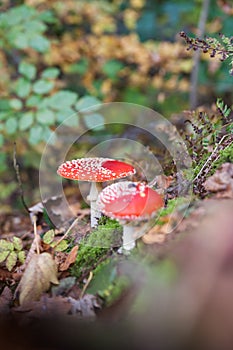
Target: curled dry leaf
point(40, 272)
point(221, 182)
point(70, 259)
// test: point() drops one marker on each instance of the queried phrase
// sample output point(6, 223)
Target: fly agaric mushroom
point(95, 170)
point(129, 201)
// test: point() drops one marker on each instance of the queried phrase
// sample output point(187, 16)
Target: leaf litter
point(39, 273)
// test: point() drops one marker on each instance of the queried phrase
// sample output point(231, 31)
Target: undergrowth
point(96, 247)
point(209, 142)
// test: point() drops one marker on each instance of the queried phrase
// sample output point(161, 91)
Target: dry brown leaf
point(157, 234)
point(70, 259)
point(40, 272)
point(221, 182)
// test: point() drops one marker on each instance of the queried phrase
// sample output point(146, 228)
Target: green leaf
point(6, 245)
point(50, 73)
point(35, 135)
point(112, 68)
point(62, 99)
point(26, 121)
point(86, 102)
point(33, 101)
point(43, 86)
point(5, 115)
point(21, 256)
point(16, 104)
point(47, 133)
point(103, 278)
point(5, 105)
point(20, 41)
point(28, 70)
point(3, 255)
point(23, 87)
point(93, 120)
point(11, 125)
point(17, 242)
point(64, 114)
point(39, 43)
point(80, 67)
point(11, 261)
point(63, 245)
point(48, 17)
point(36, 26)
point(45, 116)
point(48, 237)
point(19, 13)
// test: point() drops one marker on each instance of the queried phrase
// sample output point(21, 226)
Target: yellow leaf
point(21, 256)
point(18, 245)
point(3, 255)
point(49, 236)
point(6, 245)
point(40, 272)
point(11, 261)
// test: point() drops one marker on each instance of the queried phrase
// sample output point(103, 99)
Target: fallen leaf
point(39, 273)
point(70, 259)
point(221, 182)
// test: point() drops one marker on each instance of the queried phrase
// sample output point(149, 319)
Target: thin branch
point(20, 185)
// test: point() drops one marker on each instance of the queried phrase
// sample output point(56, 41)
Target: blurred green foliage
point(57, 58)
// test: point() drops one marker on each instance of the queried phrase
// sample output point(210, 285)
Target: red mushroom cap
point(129, 200)
point(95, 169)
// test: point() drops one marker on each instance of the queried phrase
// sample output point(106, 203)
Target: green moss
point(96, 246)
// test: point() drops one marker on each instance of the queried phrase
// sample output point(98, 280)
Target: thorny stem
point(210, 158)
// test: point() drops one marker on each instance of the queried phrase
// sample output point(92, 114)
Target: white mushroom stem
point(92, 197)
point(128, 237)
point(132, 232)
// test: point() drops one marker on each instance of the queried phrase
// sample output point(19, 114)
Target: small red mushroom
point(129, 201)
point(95, 170)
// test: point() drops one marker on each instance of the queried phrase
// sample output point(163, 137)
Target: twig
point(16, 167)
point(36, 236)
point(86, 284)
point(67, 232)
point(196, 59)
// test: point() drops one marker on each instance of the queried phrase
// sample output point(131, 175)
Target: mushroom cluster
point(95, 170)
point(125, 201)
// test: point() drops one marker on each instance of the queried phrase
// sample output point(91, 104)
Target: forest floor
point(187, 272)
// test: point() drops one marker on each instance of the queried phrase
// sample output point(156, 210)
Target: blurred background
point(57, 57)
